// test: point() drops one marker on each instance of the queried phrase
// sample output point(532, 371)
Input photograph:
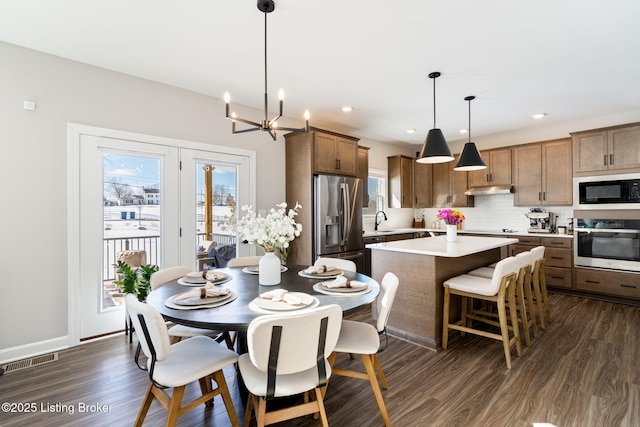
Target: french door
point(139, 195)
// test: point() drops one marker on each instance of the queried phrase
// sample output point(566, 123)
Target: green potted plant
point(135, 281)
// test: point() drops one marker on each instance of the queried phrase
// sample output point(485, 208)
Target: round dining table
point(237, 314)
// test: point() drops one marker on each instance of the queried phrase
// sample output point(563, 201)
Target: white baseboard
point(33, 349)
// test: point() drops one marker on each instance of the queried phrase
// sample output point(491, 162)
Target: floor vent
point(29, 363)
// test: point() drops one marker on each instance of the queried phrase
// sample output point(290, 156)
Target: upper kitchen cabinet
point(610, 150)
point(542, 174)
point(363, 173)
point(449, 186)
point(400, 181)
point(422, 181)
point(498, 171)
point(335, 154)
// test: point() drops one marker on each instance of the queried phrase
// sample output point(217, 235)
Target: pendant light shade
point(435, 148)
point(470, 159)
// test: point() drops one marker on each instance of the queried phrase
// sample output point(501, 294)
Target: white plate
point(327, 275)
point(339, 291)
point(169, 303)
point(196, 300)
point(217, 282)
point(194, 278)
point(271, 305)
point(253, 269)
point(253, 307)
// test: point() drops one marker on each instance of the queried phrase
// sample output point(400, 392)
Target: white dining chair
point(364, 339)
point(176, 365)
point(288, 356)
point(342, 264)
point(178, 332)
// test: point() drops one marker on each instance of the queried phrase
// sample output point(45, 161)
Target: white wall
point(33, 172)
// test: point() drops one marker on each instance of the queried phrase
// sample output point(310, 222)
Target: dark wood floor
point(584, 370)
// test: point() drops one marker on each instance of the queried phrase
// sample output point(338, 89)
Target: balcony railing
point(149, 244)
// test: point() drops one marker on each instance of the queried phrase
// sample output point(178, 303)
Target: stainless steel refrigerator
point(338, 218)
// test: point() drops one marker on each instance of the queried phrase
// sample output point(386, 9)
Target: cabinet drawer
point(527, 240)
point(551, 242)
point(555, 257)
point(608, 282)
point(558, 277)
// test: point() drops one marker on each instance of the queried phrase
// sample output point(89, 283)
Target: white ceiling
point(577, 60)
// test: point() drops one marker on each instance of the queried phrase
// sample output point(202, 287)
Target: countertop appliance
point(607, 192)
point(540, 221)
point(607, 243)
point(338, 218)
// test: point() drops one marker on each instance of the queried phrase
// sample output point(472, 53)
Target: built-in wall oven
point(607, 240)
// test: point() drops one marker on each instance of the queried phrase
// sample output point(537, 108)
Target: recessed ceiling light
point(411, 131)
point(464, 130)
point(539, 115)
point(347, 109)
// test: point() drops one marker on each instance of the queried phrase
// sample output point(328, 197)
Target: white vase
point(452, 233)
point(269, 269)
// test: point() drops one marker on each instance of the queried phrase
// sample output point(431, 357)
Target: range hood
point(489, 189)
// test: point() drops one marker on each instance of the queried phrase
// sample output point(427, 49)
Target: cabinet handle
point(557, 277)
point(629, 286)
point(593, 281)
point(540, 195)
point(605, 160)
point(557, 257)
point(610, 159)
point(488, 178)
point(544, 196)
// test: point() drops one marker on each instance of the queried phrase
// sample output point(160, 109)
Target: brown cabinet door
point(499, 167)
point(458, 186)
point(400, 185)
point(347, 155)
point(590, 152)
point(624, 148)
point(556, 173)
point(363, 173)
point(440, 185)
point(527, 161)
point(481, 177)
point(422, 180)
point(324, 153)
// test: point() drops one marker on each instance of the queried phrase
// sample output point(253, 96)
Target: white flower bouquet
point(271, 233)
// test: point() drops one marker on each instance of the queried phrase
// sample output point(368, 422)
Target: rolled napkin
point(281, 295)
point(213, 276)
point(343, 282)
point(209, 291)
point(317, 269)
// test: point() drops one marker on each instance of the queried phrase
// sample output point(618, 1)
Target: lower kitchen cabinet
point(616, 283)
point(558, 254)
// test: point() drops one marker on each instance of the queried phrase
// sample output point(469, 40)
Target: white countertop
point(438, 246)
point(440, 230)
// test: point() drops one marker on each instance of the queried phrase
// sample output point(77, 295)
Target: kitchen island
point(422, 265)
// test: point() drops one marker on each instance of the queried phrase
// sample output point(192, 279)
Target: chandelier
point(267, 125)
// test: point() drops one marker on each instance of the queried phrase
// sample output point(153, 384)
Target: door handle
point(610, 159)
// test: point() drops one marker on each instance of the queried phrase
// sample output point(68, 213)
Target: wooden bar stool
point(539, 283)
point(499, 289)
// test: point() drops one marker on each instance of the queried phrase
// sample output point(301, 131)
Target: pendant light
point(470, 159)
point(266, 124)
point(435, 148)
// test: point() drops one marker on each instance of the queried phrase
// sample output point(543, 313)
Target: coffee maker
point(540, 221)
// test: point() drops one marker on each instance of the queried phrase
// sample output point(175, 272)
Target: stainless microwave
point(607, 192)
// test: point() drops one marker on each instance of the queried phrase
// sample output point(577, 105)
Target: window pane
point(377, 191)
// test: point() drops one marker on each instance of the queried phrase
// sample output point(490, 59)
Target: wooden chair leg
point(445, 318)
point(249, 411)
point(218, 376)
point(205, 388)
point(367, 361)
point(174, 406)
point(514, 320)
point(532, 314)
point(522, 308)
point(504, 331)
point(146, 404)
point(321, 410)
point(383, 380)
point(261, 413)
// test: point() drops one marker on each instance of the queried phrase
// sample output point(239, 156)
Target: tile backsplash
point(491, 212)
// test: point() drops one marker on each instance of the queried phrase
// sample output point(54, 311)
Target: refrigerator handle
point(346, 212)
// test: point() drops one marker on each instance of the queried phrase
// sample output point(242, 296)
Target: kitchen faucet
point(376, 219)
